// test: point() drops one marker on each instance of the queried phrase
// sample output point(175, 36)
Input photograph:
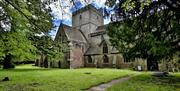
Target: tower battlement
point(87, 19)
point(88, 7)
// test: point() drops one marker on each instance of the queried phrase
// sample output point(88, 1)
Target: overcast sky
point(62, 11)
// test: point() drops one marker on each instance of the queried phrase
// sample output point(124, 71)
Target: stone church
point(86, 44)
point(87, 41)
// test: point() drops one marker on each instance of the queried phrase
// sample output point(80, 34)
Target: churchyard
point(31, 78)
point(89, 45)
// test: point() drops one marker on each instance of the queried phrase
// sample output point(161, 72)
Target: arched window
point(89, 59)
point(106, 59)
point(105, 48)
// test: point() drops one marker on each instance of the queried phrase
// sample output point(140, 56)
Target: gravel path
point(103, 87)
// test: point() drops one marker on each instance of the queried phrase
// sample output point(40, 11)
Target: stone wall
point(76, 57)
point(114, 61)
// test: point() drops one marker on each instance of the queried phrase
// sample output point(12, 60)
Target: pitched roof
point(101, 28)
point(72, 34)
point(93, 50)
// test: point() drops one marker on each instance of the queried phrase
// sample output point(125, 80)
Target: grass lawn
point(146, 82)
point(29, 78)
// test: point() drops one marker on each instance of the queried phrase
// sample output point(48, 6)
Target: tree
point(146, 29)
point(47, 48)
point(33, 15)
point(19, 18)
point(16, 46)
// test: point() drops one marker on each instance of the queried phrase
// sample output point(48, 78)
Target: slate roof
point(93, 50)
point(101, 28)
point(105, 39)
point(96, 49)
point(73, 34)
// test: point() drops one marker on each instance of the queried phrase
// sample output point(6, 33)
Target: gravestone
point(6, 79)
point(160, 74)
point(139, 68)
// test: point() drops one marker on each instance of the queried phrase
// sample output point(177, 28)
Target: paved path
point(103, 87)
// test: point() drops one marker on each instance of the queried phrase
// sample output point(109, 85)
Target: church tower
point(87, 19)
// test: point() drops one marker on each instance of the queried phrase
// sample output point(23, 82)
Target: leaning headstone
point(6, 79)
point(160, 74)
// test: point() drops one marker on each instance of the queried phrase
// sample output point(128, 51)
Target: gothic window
point(105, 48)
point(89, 59)
point(106, 59)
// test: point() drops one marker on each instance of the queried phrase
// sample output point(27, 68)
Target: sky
point(62, 11)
